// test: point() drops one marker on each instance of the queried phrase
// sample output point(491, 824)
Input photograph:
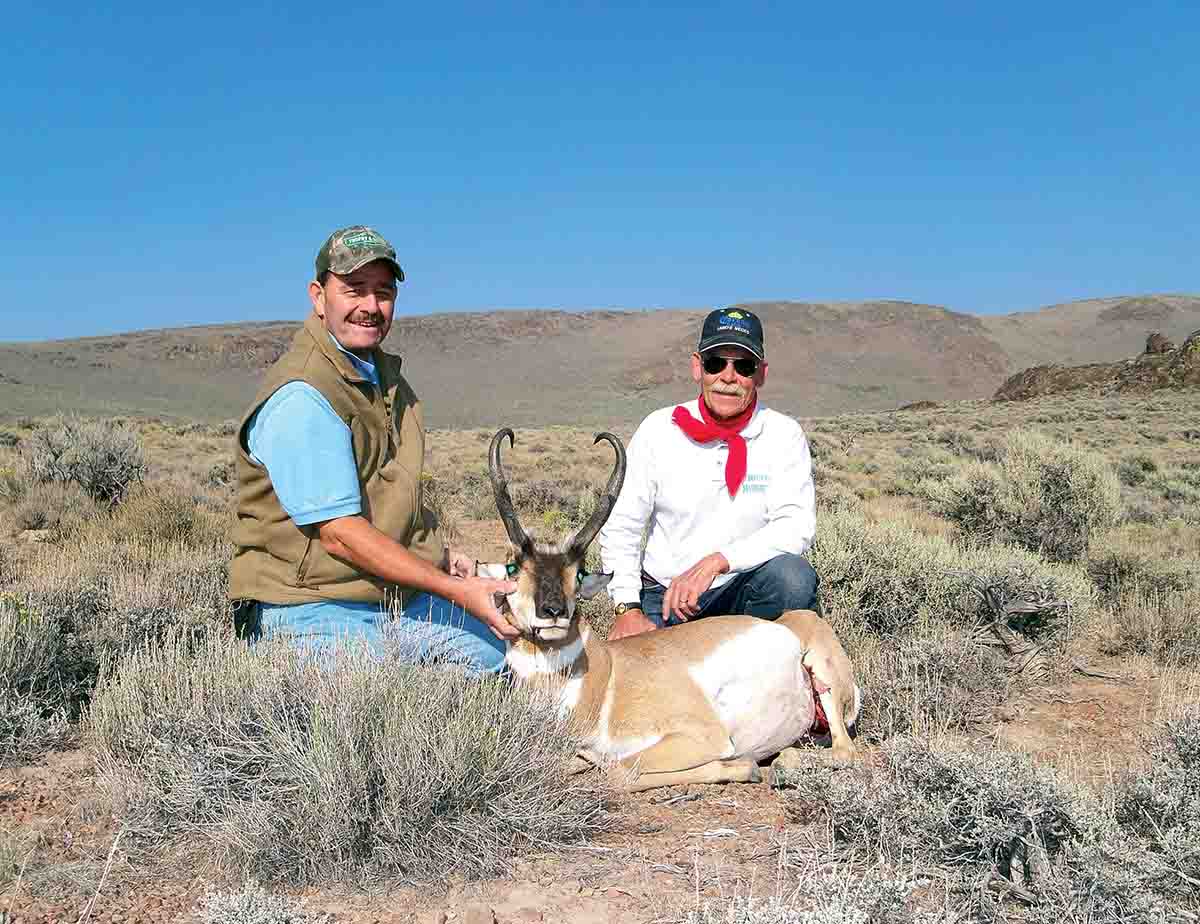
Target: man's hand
point(632, 622)
point(478, 597)
point(683, 595)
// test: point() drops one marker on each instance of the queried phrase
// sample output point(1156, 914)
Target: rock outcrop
point(1160, 366)
point(1157, 343)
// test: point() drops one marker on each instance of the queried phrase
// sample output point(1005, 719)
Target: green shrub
point(960, 807)
point(221, 475)
point(1162, 804)
point(1177, 486)
point(286, 767)
point(1134, 469)
point(163, 513)
point(888, 578)
point(103, 458)
point(57, 506)
point(116, 596)
point(1044, 495)
point(12, 486)
point(935, 682)
point(1122, 569)
point(1016, 843)
point(832, 495)
point(38, 689)
point(111, 588)
point(1162, 626)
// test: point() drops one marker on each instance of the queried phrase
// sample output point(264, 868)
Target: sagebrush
point(104, 458)
point(1042, 494)
point(285, 767)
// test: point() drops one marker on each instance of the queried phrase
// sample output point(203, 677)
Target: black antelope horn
point(582, 539)
point(504, 503)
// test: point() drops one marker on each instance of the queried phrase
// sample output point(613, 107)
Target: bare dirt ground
point(674, 848)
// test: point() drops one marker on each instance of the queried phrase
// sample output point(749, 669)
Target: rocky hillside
point(599, 368)
point(1160, 365)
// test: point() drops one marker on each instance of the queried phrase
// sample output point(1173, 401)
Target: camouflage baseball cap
point(347, 249)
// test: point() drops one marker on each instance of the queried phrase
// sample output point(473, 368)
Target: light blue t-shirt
point(307, 450)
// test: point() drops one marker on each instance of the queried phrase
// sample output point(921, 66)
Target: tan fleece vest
point(276, 561)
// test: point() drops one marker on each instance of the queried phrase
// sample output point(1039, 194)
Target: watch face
point(621, 608)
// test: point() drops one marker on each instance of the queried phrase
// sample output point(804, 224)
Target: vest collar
point(320, 336)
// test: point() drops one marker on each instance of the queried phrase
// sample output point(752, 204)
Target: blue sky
point(167, 167)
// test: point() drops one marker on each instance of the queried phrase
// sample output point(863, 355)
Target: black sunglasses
point(715, 365)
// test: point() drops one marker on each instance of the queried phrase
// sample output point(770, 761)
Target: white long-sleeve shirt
point(678, 486)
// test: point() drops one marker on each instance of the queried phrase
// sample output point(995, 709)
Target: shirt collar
point(366, 367)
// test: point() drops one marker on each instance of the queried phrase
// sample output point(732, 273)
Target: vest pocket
point(305, 560)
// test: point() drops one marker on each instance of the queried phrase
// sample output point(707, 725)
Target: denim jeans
point(430, 629)
point(786, 582)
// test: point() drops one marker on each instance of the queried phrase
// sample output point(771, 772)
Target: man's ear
point(592, 584)
point(316, 295)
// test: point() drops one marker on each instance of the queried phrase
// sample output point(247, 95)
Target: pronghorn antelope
point(701, 702)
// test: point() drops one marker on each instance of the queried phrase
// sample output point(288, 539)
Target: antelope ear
point(496, 571)
point(592, 584)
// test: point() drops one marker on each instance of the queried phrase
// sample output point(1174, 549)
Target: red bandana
point(712, 428)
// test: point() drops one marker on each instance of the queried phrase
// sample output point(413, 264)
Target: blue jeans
point(430, 629)
point(785, 582)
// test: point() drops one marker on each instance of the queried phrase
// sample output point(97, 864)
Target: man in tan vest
point(329, 512)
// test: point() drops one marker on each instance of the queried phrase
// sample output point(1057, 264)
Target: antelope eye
point(511, 569)
point(579, 576)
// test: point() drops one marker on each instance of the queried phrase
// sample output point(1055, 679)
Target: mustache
point(735, 390)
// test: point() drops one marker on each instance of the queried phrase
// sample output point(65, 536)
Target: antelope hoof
point(789, 759)
point(842, 755)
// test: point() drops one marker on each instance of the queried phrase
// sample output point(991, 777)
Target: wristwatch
point(622, 607)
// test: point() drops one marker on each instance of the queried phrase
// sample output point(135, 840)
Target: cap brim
point(396, 270)
point(726, 340)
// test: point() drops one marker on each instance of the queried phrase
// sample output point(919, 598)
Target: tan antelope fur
point(702, 702)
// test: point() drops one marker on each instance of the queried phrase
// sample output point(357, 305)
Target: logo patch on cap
point(360, 240)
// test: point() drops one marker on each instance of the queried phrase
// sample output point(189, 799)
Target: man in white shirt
point(726, 487)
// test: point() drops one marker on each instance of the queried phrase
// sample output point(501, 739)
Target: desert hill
point(529, 368)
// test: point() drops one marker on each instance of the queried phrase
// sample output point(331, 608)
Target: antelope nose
point(553, 612)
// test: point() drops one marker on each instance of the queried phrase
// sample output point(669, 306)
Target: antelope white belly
point(758, 686)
